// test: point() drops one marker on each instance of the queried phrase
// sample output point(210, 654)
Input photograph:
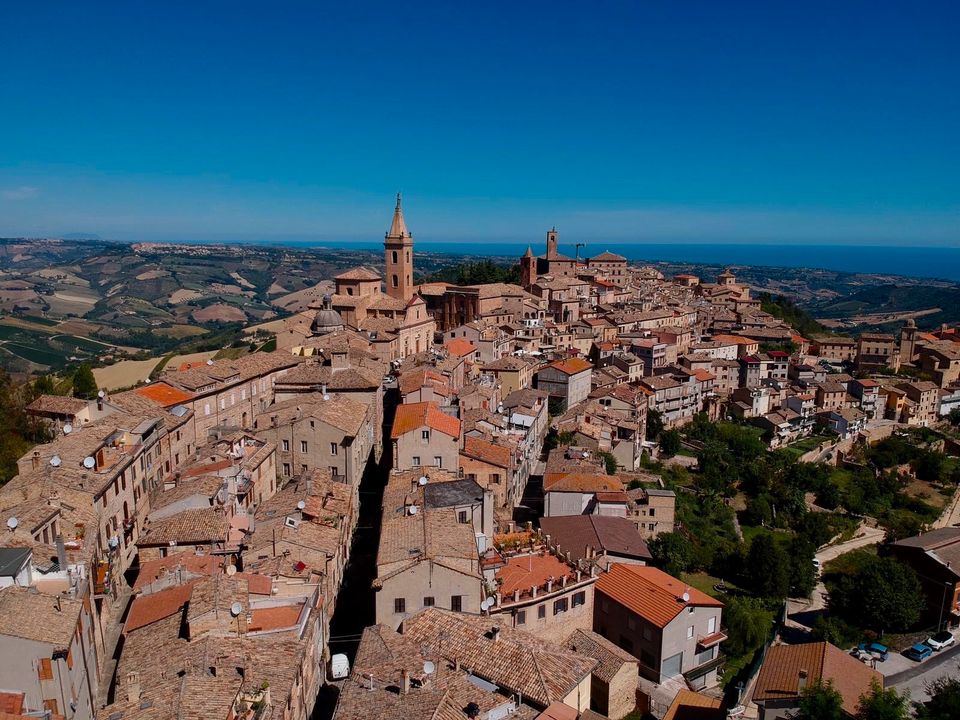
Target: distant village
point(430, 501)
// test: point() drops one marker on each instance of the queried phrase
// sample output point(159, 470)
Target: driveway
point(945, 662)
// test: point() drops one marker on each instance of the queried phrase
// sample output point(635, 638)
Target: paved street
point(945, 662)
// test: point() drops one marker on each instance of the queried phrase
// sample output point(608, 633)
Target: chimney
point(274, 420)
point(61, 553)
point(495, 633)
point(35, 460)
point(405, 682)
point(802, 680)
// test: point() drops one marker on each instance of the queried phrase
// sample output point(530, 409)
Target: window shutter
point(45, 671)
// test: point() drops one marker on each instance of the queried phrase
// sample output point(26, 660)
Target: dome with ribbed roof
point(327, 320)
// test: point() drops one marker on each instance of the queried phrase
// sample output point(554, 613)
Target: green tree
point(670, 442)
point(767, 570)
point(803, 576)
point(609, 462)
point(944, 702)
point(820, 701)
point(748, 623)
point(929, 465)
point(84, 383)
point(883, 704)
point(654, 424)
point(671, 552)
point(882, 594)
point(44, 385)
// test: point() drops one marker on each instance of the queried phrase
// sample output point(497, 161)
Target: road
point(916, 678)
point(951, 515)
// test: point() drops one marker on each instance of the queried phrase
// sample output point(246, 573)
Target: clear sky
point(637, 120)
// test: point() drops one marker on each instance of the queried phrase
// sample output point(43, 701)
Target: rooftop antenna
point(578, 246)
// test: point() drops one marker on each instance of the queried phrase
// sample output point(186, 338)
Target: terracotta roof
point(558, 711)
point(153, 570)
point(611, 657)
point(11, 703)
point(461, 347)
point(487, 452)
point(57, 404)
point(202, 525)
point(581, 482)
point(274, 618)
point(516, 661)
point(147, 609)
point(651, 593)
point(522, 572)
point(358, 273)
point(690, 705)
point(780, 673)
point(417, 415)
point(615, 535)
point(736, 339)
point(31, 615)
point(571, 366)
point(607, 256)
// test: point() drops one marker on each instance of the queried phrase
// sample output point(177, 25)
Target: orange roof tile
point(707, 708)
point(522, 572)
point(487, 452)
point(164, 395)
point(571, 366)
point(461, 347)
point(651, 593)
point(274, 618)
point(417, 415)
point(257, 584)
point(11, 702)
point(153, 570)
point(734, 339)
point(581, 482)
point(147, 609)
point(703, 375)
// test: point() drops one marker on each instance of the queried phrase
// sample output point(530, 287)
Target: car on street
point(919, 652)
point(873, 650)
point(940, 640)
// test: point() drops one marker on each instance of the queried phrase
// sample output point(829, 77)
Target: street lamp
point(943, 602)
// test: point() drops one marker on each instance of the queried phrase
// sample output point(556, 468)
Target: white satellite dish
point(423, 480)
point(89, 462)
point(586, 454)
point(210, 362)
point(67, 429)
point(231, 570)
point(326, 396)
point(12, 523)
point(686, 597)
point(301, 505)
point(101, 394)
point(236, 609)
point(55, 461)
point(413, 509)
point(429, 668)
point(486, 604)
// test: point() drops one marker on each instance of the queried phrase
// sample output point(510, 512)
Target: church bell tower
point(398, 257)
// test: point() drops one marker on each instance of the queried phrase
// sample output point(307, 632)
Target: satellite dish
point(55, 461)
point(486, 604)
point(210, 362)
point(12, 523)
point(301, 505)
point(686, 596)
point(67, 429)
point(413, 509)
point(429, 668)
point(101, 394)
point(231, 570)
point(423, 480)
point(586, 454)
point(89, 462)
point(326, 397)
point(236, 609)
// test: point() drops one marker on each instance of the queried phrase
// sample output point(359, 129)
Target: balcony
point(708, 641)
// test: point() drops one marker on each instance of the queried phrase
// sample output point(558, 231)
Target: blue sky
point(619, 121)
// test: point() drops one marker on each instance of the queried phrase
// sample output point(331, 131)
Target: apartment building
point(566, 381)
point(424, 436)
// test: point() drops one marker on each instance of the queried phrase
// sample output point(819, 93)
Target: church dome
point(326, 320)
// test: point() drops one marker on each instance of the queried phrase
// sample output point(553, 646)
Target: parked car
point(919, 652)
point(816, 566)
point(940, 640)
point(874, 650)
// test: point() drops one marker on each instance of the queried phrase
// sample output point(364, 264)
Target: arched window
point(395, 280)
point(394, 256)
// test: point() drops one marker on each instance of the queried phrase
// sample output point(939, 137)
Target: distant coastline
point(926, 262)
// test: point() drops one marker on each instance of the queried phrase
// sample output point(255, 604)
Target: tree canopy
point(84, 383)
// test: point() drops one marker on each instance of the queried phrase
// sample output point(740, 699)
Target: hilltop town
point(546, 499)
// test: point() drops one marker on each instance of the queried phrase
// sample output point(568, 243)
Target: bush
point(671, 552)
point(748, 623)
point(882, 594)
point(670, 442)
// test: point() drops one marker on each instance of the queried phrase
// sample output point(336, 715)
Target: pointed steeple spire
point(398, 228)
point(529, 252)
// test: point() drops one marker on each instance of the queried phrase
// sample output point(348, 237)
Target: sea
point(926, 262)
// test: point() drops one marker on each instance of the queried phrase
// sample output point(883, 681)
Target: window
point(631, 622)
point(653, 511)
point(438, 461)
point(285, 445)
point(541, 612)
point(522, 617)
point(456, 603)
point(303, 446)
point(495, 477)
point(312, 425)
point(425, 435)
point(712, 625)
point(286, 469)
point(604, 606)
point(399, 605)
point(462, 516)
point(333, 448)
point(579, 598)
point(335, 471)
point(429, 602)
point(394, 255)
point(394, 281)
point(691, 609)
point(416, 460)
point(45, 671)
point(689, 632)
point(559, 606)
point(206, 409)
point(647, 632)
point(651, 526)
point(303, 468)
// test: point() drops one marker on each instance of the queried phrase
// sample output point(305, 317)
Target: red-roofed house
point(491, 465)
point(673, 629)
point(566, 380)
point(423, 435)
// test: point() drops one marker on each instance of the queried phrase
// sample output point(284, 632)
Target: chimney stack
point(802, 680)
point(61, 553)
point(405, 682)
